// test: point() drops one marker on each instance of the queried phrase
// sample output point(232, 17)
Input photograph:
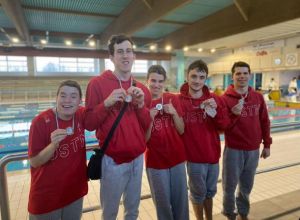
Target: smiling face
point(67, 102)
point(241, 77)
point(123, 57)
point(156, 83)
point(196, 80)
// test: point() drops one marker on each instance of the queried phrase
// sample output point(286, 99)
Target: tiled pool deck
point(268, 186)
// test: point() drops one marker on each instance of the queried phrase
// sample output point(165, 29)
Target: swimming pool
point(15, 121)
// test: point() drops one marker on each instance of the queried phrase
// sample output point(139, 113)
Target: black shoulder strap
point(113, 128)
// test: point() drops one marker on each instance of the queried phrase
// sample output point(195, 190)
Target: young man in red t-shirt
point(57, 157)
point(250, 125)
point(165, 154)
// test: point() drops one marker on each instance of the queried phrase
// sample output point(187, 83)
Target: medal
point(69, 131)
point(210, 111)
point(128, 98)
point(202, 105)
point(159, 106)
point(241, 101)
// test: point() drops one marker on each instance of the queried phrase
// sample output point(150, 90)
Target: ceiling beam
point(137, 16)
point(149, 3)
point(59, 52)
point(72, 12)
point(91, 14)
point(243, 8)
point(228, 22)
point(14, 11)
point(71, 35)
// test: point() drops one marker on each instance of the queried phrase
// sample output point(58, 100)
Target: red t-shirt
point(165, 148)
point(63, 179)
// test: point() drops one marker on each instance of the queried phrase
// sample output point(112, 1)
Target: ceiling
point(221, 24)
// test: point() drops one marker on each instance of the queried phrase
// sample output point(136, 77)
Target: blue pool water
point(15, 122)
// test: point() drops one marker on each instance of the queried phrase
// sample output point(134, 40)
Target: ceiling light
point(185, 48)
point(212, 50)
point(15, 40)
point(68, 42)
point(152, 47)
point(43, 41)
point(200, 49)
point(134, 46)
point(168, 48)
point(92, 43)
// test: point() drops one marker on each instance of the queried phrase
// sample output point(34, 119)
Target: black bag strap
point(111, 131)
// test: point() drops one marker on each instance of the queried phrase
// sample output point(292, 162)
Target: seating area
point(37, 89)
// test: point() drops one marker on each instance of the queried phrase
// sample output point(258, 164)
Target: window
point(13, 64)
point(139, 66)
point(64, 64)
point(109, 65)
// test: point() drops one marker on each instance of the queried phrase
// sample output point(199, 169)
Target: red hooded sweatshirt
point(201, 137)
point(165, 148)
point(128, 140)
point(252, 126)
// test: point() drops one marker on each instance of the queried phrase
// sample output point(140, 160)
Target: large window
point(139, 67)
point(65, 64)
point(13, 64)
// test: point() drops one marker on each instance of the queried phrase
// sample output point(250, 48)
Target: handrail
point(284, 125)
point(89, 145)
point(4, 202)
point(92, 142)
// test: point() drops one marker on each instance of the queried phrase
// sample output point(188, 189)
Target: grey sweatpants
point(239, 168)
point(73, 211)
point(169, 192)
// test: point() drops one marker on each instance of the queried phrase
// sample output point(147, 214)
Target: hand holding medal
point(209, 106)
point(237, 109)
point(137, 96)
point(69, 130)
point(57, 136)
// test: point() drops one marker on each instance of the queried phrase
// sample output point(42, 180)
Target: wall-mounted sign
point(291, 59)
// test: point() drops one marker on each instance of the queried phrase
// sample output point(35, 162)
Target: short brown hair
point(117, 39)
point(157, 69)
point(70, 83)
point(200, 65)
point(240, 64)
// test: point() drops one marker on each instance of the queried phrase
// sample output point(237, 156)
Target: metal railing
point(4, 202)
